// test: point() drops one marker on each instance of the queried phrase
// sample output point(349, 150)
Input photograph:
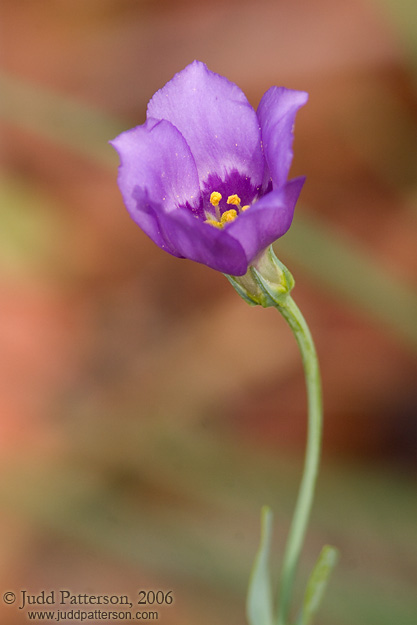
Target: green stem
point(296, 321)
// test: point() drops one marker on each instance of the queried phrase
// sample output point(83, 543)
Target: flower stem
point(290, 311)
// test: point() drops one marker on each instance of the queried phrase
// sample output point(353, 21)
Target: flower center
point(220, 220)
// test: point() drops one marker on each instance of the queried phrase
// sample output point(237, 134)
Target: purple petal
point(156, 168)
point(146, 216)
point(216, 119)
point(192, 238)
point(267, 220)
point(276, 113)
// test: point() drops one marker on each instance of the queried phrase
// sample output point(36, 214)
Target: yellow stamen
point(233, 199)
point(219, 221)
point(215, 198)
point(214, 223)
point(228, 216)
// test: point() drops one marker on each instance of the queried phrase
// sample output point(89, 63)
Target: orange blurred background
point(147, 412)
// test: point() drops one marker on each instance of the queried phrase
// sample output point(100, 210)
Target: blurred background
point(146, 412)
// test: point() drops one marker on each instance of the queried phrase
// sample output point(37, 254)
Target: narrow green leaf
point(259, 608)
point(348, 269)
point(401, 16)
point(317, 584)
point(59, 118)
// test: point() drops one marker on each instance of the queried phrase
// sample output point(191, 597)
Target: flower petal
point(267, 220)
point(156, 157)
point(216, 119)
point(156, 168)
point(192, 238)
point(276, 113)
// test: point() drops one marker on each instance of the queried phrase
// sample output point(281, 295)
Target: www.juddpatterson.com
point(146, 598)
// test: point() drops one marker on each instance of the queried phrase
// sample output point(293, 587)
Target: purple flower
point(206, 176)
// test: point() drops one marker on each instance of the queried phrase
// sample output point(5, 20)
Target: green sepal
point(266, 282)
point(241, 290)
point(259, 602)
point(317, 584)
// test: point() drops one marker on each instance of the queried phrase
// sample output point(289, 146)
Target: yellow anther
point(215, 198)
point(245, 208)
point(228, 216)
point(233, 199)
